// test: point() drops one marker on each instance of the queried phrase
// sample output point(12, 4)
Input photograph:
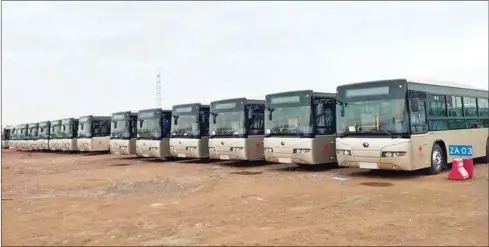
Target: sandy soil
point(74, 199)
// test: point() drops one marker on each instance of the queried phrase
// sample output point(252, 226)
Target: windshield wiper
point(389, 134)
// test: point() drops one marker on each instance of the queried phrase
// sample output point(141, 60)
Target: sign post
point(462, 163)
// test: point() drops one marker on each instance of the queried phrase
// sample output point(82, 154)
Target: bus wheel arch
point(438, 158)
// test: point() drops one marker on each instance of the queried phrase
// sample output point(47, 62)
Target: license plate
point(285, 160)
point(123, 147)
point(86, 144)
point(224, 157)
point(368, 165)
point(182, 155)
point(152, 148)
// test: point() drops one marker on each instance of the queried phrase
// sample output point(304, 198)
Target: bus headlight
point(190, 148)
point(301, 150)
point(270, 150)
point(343, 152)
point(234, 149)
point(212, 149)
point(393, 154)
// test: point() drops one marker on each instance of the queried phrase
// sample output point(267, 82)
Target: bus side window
point(204, 126)
point(96, 128)
point(75, 128)
point(320, 120)
point(257, 122)
point(134, 127)
point(418, 119)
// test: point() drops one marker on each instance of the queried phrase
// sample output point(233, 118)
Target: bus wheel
point(438, 162)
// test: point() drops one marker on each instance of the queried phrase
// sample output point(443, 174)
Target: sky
point(69, 59)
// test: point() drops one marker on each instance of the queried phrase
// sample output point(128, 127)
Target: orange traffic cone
point(458, 171)
point(469, 167)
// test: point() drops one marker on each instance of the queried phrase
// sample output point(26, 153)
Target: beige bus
point(44, 130)
point(153, 133)
point(32, 135)
point(93, 134)
point(55, 135)
point(6, 138)
point(69, 134)
point(190, 131)
point(300, 128)
point(123, 133)
point(13, 138)
point(22, 135)
point(237, 129)
point(404, 124)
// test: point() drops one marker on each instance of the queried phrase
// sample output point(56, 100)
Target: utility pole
point(158, 90)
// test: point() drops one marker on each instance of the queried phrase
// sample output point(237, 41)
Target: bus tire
point(438, 161)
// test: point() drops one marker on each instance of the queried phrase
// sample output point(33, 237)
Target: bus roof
point(44, 122)
point(448, 90)
point(155, 109)
point(319, 94)
point(192, 104)
point(97, 117)
point(249, 101)
point(125, 112)
point(433, 86)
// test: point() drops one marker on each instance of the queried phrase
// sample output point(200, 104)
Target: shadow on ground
point(306, 168)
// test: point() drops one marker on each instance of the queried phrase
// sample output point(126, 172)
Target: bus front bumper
point(189, 148)
point(43, 144)
point(153, 148)
point(123, 147)
point(69, 144)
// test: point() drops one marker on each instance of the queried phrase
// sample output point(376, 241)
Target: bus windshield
point(85, 129)
point(67, 130)
point(120, 129)
point(186, 126)
point(228, 123)
point(374, 116)
point(287, 120)
point(55, 131)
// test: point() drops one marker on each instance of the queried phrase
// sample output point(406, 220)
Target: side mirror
point(270, 110)
point(175, 120)
point(319, 108)
point(342, 111)
point(414, 104)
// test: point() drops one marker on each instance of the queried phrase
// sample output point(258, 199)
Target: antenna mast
point(158, 90)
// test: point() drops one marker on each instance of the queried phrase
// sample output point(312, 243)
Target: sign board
point(460, 150)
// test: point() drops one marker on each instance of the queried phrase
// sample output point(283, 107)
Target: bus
point(43, 136)
point(123, 133)
point(31, 142)
point(93, 134)
point(237, 129)
point(69, 134)
point(5, 138)
point(300, 128)
point(55, 135)
point(404, 124)
point(153, 133)
point(190, 131)
point(23, 135)
point(13, 138)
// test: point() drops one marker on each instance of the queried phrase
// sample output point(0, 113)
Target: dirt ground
point(74, 199)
